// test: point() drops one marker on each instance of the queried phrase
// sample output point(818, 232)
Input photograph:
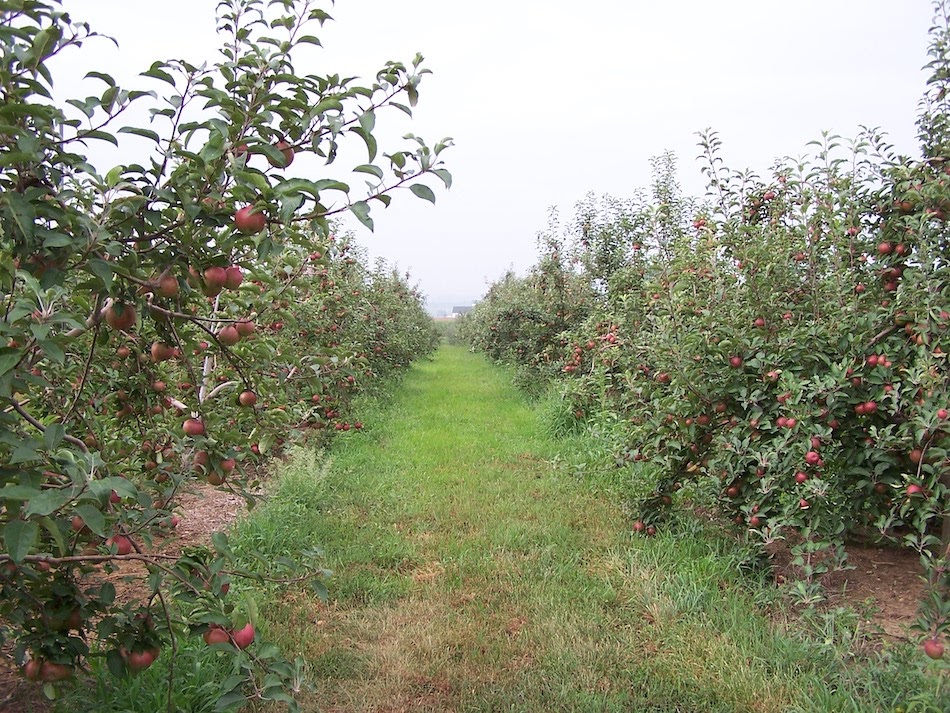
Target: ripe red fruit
point(812, 457)
point(31, 669)
point(759, 322)
point(859, 288)
point(915, 455)
point(732, 491)
point(53, 672)
point(161, 352)
point(288, 152)
point(122, 544)
point(639, 526)
point(870, 407)
point(735, 362)
point(139, 660)
point(194, 427)
point(942, 414)
point(215, 278)
point(229, 335)
point(801, 477)
point(167, 285)
point(933, 648)
point(243, 637)
point(215, 635)
point(885, 248)
point(234, 277)
point(77, 524)
point(913, 489)
point(249, 220)
point(803, 504)
point(755, 521)
point(247, 398)
point(227, 465)
point(120, 316)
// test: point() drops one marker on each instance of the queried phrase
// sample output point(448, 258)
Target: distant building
point(459, 311)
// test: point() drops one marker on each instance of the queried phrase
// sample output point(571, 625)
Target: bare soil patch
point(203, 511)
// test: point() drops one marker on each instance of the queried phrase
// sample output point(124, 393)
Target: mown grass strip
point(472, 573)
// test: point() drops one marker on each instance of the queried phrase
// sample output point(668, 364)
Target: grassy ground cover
point(473, 573)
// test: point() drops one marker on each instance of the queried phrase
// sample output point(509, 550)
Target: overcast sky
point(548, 100)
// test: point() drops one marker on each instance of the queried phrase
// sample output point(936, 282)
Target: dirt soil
point(204, 511)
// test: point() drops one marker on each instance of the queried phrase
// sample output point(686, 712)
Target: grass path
point(471, 574)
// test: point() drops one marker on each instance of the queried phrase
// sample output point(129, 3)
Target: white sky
point(549, 99)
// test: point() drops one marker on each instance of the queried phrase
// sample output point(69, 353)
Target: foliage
point(173, 320)
point(782, 346)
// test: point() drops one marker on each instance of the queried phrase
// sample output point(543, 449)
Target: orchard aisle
point(473, 574)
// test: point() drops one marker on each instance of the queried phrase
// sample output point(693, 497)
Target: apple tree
point(143, 312)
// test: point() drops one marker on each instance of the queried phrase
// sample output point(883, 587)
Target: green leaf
point(371, 169)
point(116, 663)
point(22, 212)
point(422, 191)
point(20, 536)
point(48, 502)
point(368, 122)
point(319, 588)
point(93, 518)
point(146, 133)
point(444, 175)
point(156, 72)
point(56, 534)
point(368, 139)
point(8, 361)
point(52, 350)
point(103, 270)
point(99, 75)
point(53, 436)
point(361, 210)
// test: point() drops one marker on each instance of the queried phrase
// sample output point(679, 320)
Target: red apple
point(53, 672)
point(122, 544)
point(120, 316)
point(214, 279)
point(215, 635)
point(234, 277)
point(194, 427)
point(287, 150)
point(249, 220)
point(243, 637)
point(229, 335)
point(247, 398)
point(933, 648)
point(32, 669)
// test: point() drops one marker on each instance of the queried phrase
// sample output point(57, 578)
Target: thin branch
point(40, 427)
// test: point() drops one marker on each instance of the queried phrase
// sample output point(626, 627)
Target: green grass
point(475, 573)
point(478, 568)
